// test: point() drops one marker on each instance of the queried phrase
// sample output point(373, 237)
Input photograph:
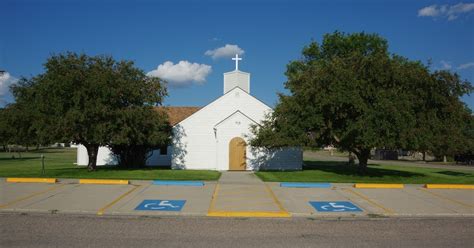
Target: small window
point(164, 150)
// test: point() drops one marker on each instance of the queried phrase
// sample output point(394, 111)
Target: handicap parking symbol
point(161, 205)
point(336, 206)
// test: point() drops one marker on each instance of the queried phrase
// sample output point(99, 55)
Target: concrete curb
point(449, 186)
point(102, 181)
point(378, 186)
point(30, 180)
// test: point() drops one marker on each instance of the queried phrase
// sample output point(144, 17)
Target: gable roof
point(177, 114)
point(236, 112)
point(228, 92)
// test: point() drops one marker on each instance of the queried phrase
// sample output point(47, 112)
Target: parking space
point(196, 199)
point(233, 199)
point(413, 200)
point(297, 200)
point(13, 195)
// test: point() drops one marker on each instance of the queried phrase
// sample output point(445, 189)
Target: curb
point(30, 180)
point(305, 185)
point(449, 186)
point(378, 186)
point(260, 214)
point(178, 183)
point(102, 181)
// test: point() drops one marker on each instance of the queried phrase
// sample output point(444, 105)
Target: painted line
point(213, 200)
point(449, 186)
point(366, 198)
point(378, 186)
point(31, 196)
point(259, 214)
point(178, 183)
point(447, 198)
point(30, 180)
point(305, 185)
point(280, 206)
point(102, 181)
point(102, 210)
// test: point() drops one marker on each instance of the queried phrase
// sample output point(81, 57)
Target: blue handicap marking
point(336, 206)
point(161, 205)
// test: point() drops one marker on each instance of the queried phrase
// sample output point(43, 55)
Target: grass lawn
point(59, 163)
point(340, 172)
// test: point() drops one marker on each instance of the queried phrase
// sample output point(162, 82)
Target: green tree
point(80, 98)
point(16, 128)
point(138, 132)
point(350, 92)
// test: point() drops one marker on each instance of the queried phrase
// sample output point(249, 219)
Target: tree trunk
point(424, 156)
point(363, 157)
point(92, 151)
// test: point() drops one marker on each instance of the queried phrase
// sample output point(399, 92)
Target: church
point(216, 136)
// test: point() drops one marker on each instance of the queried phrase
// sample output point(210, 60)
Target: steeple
point(236, 78)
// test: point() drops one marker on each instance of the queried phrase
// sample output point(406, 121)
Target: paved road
point(85, 231)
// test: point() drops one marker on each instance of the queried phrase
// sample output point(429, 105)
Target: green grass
point(59, 163)
point(340, 172)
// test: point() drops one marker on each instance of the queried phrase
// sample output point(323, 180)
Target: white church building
point(216, 136)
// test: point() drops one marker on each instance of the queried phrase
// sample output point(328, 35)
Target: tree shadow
point(19, 159)
point(179, 151)
point(342, 168)
point(455, 173)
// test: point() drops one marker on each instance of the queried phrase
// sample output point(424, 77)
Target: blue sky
point(267, 34)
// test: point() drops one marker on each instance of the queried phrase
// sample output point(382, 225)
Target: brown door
point(237, 154)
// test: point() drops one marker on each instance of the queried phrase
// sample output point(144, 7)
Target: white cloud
point(226, 51)
point(445, 65)
point(450, 12)
point(5, 81)
point(466, 66)
point(182, 74)
point(429, 11)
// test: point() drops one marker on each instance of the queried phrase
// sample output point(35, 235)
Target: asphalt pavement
point(61, 230)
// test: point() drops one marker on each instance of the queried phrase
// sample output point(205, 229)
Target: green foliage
point(138, 132)
point(350, 92)
point(84, 99)
point(59, 163)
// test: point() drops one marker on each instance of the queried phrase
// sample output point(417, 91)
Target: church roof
point(177, 114)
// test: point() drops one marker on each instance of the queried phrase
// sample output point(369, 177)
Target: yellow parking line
point(31, 195)
point(214, 197)
point(102, 210)
point(448, 199)
point(387, 210)
point(278, 203)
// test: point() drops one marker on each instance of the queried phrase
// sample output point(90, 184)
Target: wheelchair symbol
point(161, 205)
point(337, 208)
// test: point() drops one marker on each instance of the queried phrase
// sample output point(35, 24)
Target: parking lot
point(231, 197)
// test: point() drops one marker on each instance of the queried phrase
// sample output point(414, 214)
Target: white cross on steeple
point(236, 61)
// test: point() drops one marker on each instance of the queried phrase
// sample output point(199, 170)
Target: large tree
point(81, 98)
point(350, 92)
point(138, 132)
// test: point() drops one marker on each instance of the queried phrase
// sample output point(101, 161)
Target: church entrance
point(237, 154)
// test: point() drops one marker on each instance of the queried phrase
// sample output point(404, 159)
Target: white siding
point(202, 140)
point(105, 157)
